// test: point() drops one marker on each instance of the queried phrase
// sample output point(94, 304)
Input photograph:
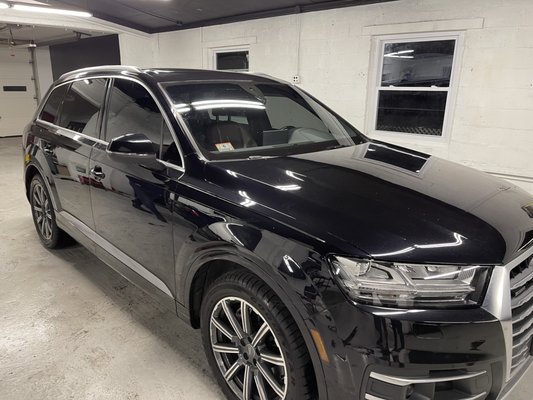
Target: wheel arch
point(210, 266)
point(30, 171)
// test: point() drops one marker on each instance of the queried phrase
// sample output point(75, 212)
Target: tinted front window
point(82, 106)
point(132, 109)
point(50, 110)
point(242, 119)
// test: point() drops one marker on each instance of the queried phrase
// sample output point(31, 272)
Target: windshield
point(246, 119)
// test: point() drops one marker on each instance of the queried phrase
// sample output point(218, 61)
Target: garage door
point(17, 91)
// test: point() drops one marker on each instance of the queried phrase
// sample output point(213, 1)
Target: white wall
point(491, 127)
point(44, 69)
point(137, 50)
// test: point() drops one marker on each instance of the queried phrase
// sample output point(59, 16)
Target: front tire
point(44, 216)
point(252, 343)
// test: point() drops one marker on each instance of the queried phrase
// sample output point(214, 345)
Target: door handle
point(97, 172)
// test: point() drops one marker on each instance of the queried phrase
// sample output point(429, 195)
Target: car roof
point(167, 74)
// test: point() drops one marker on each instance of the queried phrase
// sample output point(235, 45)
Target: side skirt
point(116, 259)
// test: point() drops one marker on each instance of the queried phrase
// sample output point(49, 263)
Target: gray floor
point(71, 328)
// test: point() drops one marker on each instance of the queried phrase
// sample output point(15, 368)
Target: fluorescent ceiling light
point(228, 105)
point(4, 5)
point(44, 10)
point(396, 54)
point(202, 102)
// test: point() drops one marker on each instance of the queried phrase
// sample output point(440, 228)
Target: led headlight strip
point(410, 285)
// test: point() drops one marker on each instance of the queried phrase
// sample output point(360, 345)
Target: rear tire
point(252, 343)
point(44, 216)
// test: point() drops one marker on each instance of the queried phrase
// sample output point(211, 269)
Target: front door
point(131, 200)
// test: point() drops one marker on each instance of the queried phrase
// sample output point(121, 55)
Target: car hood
point(389, 202)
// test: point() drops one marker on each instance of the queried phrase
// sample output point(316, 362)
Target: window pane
point(82, 105)
point(234, 60)
point(132, 109)
point(411, 112)
point(425, 64)
point(51, 108)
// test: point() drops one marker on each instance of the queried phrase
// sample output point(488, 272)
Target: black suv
point(317, 263)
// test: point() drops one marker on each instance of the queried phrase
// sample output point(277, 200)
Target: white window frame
point(229, 49)
point(376, 70)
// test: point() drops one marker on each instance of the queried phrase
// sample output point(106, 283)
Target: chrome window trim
point(103, 142)
point(498, 302)
point(115, 252)
point(68, 132)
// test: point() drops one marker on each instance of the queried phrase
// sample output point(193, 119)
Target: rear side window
point(50, 110)
point(82, 106)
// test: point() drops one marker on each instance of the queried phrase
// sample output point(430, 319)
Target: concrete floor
point(72, 328)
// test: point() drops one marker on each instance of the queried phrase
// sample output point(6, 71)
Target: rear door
point(131, 199)
point(69, 127)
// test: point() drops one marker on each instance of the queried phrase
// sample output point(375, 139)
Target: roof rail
point(107, 67)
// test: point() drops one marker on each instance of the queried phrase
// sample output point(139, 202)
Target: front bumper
point(383, 354)
point(468, 354)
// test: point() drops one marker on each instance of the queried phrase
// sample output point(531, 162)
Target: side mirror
point(132, 147)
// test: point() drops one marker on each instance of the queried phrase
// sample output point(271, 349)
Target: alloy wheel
point(247, 351)
point(42, 211)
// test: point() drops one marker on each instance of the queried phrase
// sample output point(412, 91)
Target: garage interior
point(70, 327)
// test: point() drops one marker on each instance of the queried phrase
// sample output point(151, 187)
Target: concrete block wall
point(333, 51)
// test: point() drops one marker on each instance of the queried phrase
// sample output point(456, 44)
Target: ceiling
point(153, 16)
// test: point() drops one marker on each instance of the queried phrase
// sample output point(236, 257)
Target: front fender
point(287, 278)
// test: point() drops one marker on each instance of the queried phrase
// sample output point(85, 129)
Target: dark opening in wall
point(15, 89)
point(90, 52)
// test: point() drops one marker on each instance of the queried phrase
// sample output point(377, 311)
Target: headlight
point(410, 285)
